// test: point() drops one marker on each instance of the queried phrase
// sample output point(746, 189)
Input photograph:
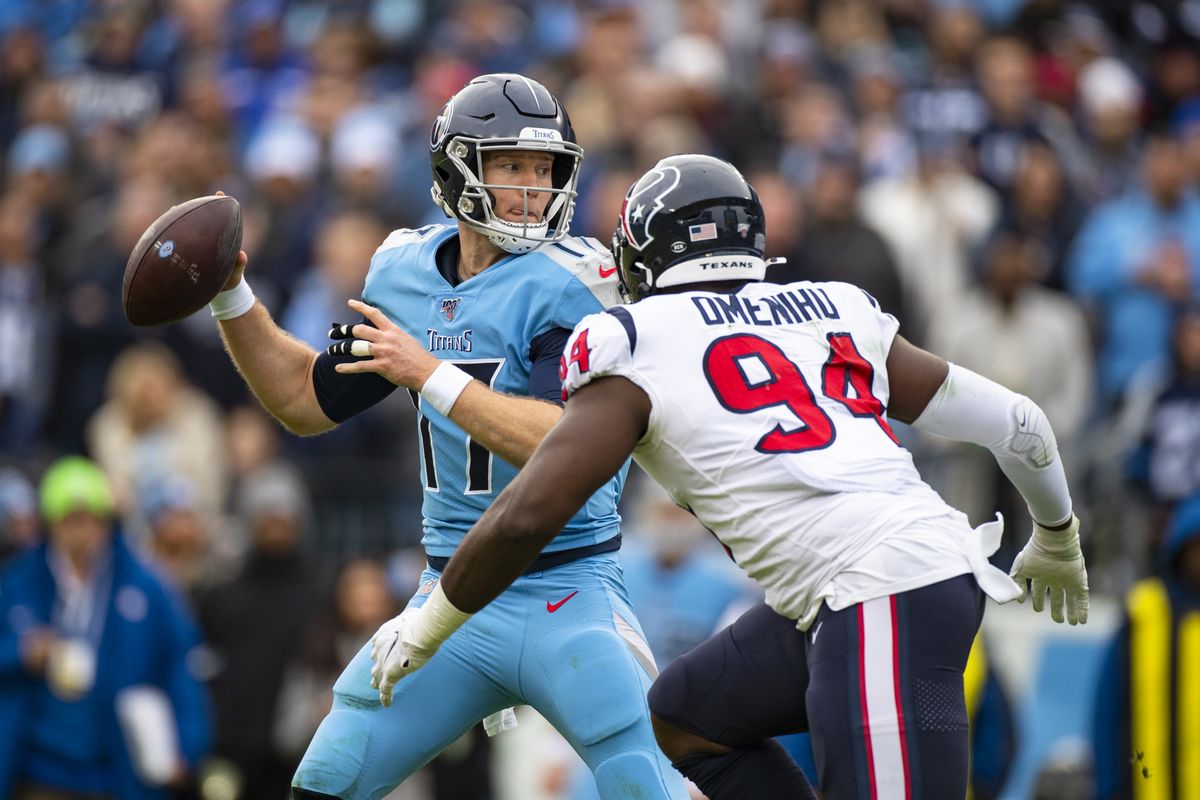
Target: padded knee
point(596, 684)
point(332, 765)
point(635, 774)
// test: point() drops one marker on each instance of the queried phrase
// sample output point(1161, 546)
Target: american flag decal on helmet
point(449, 306)
point(702, 233)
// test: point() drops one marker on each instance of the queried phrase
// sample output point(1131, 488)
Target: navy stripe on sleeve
point(566, 249)
point(545, 351)
point(626, 319)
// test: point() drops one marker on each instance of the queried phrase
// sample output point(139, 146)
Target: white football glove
point(1053, 562)
point(405, 643)
point(394, 654)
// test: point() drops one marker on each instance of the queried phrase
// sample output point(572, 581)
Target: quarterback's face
point(519, 168)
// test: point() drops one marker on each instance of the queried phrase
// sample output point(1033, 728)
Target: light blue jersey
point(485, 326)
point(563, 639)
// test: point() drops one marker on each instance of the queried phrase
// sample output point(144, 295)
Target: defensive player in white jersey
point(764, 409)
point(472, 319)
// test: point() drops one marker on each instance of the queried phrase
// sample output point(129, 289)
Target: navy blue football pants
point(878, 685)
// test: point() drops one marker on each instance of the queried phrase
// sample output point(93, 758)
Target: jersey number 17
point(479, 458)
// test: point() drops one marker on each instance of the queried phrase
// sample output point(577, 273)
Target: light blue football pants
point(564, 641)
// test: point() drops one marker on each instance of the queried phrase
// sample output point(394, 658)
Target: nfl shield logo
point(448, 306)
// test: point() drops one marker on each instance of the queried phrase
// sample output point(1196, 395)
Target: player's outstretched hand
point(396, 654)
point(385, 349)
point(1052, 562)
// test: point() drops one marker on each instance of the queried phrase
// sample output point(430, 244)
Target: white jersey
point(769, 423)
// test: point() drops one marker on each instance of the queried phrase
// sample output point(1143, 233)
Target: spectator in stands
point(262, 72)
point(19, 528)
point(1043, 206)
point(837, 246)
point(1016, 118)
point(98, 696)
point(816, 123)
point(23, 323)
point(945, 101)
point(1167, 462)
point(886, 147)
point(361, 603)
point(22, 63)
point(1110, 103)
point(363, 152)
point(254, 622)
point(178, 540)
point(932, 220)
point(154, 424)
point(282, 162)
point(343, 248)
point(92, 328)
point(1026, 337)
point(39, 171)
point(1136, 262)
point(1146, 734)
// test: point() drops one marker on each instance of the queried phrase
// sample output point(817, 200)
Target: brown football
point(182, 260)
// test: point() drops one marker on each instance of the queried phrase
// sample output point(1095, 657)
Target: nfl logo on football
point(448, 306)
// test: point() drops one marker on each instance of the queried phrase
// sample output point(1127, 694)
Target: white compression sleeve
point(970, 408)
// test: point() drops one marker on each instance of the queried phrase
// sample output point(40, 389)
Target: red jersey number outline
point(844, 372)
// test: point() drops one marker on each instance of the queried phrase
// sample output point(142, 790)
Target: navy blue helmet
point(503, 111)
point(690, 219)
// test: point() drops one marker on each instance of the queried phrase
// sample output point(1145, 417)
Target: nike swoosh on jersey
point(552, 607)
point(605, 273)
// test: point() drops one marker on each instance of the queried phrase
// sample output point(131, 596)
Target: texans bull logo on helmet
point(692, 219)
point(645, 201)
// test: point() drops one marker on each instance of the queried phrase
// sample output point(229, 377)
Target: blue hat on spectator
point(164, 495)
point(17, 497)
point(39, 148)
point(274, 491)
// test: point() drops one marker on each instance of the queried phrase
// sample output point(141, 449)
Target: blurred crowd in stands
point(1018, 181)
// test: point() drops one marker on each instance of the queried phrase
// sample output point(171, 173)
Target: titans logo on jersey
point(485, 325)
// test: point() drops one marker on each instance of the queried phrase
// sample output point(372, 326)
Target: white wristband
point(437, 620)
point(232, 303)
point(443, 387)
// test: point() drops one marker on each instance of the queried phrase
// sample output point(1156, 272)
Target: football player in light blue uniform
point(472, 319)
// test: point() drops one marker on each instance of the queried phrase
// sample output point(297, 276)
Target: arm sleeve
point(970, 408)
point(342, 396)
point(545, 351)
